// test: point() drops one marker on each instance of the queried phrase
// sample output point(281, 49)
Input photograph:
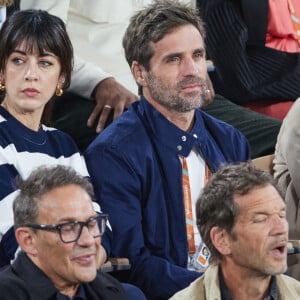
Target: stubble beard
point(168, 96)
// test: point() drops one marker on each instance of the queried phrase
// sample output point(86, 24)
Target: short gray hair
point(41, 181)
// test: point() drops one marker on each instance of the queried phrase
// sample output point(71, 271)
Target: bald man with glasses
point(59, 233)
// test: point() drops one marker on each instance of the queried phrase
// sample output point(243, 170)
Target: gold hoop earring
point(59, 91)
point(2, 87)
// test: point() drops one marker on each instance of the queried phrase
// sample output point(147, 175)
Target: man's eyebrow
point(171, 55)
point(200, 49)
point(174, 54)
point(264, 212)
point(71, 219)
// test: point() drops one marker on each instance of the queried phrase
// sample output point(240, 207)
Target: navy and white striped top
point(21, 151)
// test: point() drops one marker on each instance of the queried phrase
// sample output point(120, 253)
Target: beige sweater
point(207, 287)
point(287, 167)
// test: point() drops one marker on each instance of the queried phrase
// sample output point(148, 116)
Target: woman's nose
point(31, 73)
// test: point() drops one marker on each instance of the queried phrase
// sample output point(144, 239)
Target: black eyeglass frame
point(100, 218)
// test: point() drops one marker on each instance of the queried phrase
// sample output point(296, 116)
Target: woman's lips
point(31, 92)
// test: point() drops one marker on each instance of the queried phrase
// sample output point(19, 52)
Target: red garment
point(281, 33)
point(271, 108)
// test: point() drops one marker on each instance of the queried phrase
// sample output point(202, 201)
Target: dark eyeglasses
point(70, 232)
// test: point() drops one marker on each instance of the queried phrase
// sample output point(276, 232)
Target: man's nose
point(194, 67)
point(85, 238)
point(279, 225)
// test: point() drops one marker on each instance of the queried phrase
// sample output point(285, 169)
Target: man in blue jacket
point(136, 163)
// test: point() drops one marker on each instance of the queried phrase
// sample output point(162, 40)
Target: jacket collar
point(33, 277)
point(165, 132)
point(41, 288)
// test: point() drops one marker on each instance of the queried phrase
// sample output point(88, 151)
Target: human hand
point(109, 94)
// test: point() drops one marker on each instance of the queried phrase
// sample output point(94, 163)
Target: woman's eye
point(17, 61)
point(45, 63)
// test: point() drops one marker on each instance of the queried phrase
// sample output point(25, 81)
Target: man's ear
point(221, 240)
point(26, 238)
point(139, 73)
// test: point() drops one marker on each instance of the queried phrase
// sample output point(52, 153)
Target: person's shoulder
point(237, 147)
point(289, 288)
point(4, 271)
point(293, 113)
point(219, 127)
point(5, 136)
point(122, 133)
point(60, 137)
point(107, 286)
point(207, 284)
point(11, 286)
point(212, 120)
point(195, 291)
point(107, 279)
point(54, 131)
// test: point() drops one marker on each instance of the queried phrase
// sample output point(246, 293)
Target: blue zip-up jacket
point(136, 171)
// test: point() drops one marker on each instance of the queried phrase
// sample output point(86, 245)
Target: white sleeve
point(85, 77)
point(58, 8)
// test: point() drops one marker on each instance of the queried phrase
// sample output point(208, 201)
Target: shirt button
point(183, 138)
point(195, 135)
point(179, 148)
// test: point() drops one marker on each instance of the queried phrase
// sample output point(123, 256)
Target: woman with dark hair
point(36, 58)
